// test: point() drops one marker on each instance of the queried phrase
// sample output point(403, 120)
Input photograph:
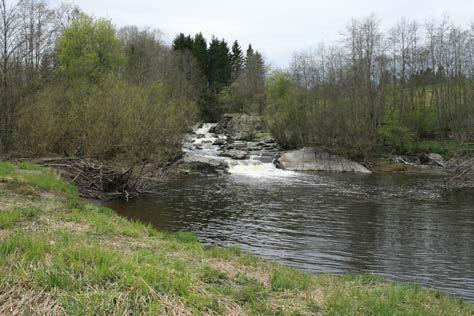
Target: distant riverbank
point(60, 255)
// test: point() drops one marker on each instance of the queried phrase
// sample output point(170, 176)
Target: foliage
point(144, 52)
point(247, 93)
point(376, 88)
point(287, 111)
point(236, 61)
point(89, 49)
point(399, 138)
point(234, 83)
point(111, 120)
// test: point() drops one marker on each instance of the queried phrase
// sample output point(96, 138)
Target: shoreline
point(62, 255)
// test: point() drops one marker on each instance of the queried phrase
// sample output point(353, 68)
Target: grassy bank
point(59, 255)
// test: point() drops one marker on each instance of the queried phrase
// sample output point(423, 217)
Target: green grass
point(6, 169)
point(10, 217)
point(289, 279)
point(447, 149)
point(58, 257)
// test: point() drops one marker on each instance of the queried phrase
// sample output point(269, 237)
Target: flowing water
point(399, 226)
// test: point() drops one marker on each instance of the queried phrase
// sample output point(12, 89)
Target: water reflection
point(398, 226)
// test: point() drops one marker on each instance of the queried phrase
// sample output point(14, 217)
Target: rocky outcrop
point(316, 159)
point(238, 126)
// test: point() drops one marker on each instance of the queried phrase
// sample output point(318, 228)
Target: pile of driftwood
point(463, 177)
point(98, 180)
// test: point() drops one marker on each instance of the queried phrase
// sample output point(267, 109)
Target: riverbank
point(60, 255)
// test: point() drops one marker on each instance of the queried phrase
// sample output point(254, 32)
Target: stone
point(316, 159)
point(204, 165)
point(238, 126)
point(219, 142)
point(267, 140)
point(235, 154)
point(266, 157)
point(436, 159)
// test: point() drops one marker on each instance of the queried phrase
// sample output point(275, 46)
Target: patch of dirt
point(173, 306)
point(232, 270)
point(17, 300)
point(317, 296)
point(47, 195)
point(3, 233)
point(73, 227)
point(4, 206)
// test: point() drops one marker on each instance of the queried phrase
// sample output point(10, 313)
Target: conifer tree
point(182, 42)
point(219, 64)
point(236, 61)
point(199, 51)
point(250, 51)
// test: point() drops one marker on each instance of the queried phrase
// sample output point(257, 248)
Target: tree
point(254, 78)
point(236, 61)
point(144, 51)
point(89, 49)
point(199, 51)
point(250, 51)
point(288, 112)
point(247, 92)
point(219, 65)
point(10, 45)
point(182, 42)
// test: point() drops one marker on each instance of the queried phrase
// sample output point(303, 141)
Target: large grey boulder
point(316, 159)
point(204, 165)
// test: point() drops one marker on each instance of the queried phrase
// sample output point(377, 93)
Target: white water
point(196, 145)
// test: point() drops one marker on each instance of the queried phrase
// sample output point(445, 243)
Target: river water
point(400, 226)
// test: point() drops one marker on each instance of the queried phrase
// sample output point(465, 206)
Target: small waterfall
point(202, 142)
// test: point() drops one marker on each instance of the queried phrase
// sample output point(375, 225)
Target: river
point(400, 226)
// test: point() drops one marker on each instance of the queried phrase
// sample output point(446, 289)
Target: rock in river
point(219, 142)
point(204, 165)
point(316, 159)
point(235, 154)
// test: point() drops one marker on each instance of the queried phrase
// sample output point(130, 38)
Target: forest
point(377, 89)
point(78, 86)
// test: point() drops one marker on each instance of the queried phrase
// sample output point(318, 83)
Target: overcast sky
point(277, 28)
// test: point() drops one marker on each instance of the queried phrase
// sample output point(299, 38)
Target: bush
point(288, 113)
point(400, 138)
point(110, 120)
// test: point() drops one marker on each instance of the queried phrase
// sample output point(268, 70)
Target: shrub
point(401, 139)
point(111, 120)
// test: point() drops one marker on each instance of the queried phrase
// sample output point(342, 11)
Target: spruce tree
point(200, 52)
point(250, 51)
point(182, 42)
point(178, 42)
point(219, 65)
point(236, 61)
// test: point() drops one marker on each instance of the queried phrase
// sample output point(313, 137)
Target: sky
point(277, 28)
